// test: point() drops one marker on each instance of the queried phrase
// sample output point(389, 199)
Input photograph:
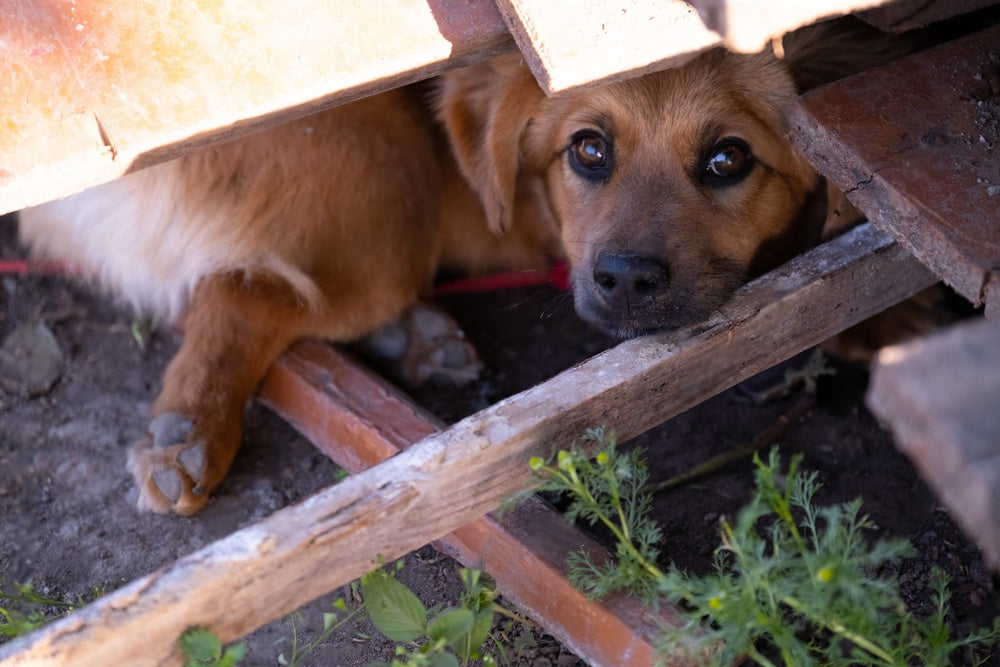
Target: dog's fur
point(330, 226)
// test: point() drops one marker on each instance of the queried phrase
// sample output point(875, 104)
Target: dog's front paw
point(169, 466)
point(425, 345)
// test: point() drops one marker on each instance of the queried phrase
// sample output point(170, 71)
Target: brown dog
point(329, 226)
point(668, 192)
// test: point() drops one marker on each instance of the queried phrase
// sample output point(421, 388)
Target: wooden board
point(359, 420)
point(903, 15)
point(448, 479)
point(750, 25)
point(941, 398)
point(92, 88)
point(916, 145)
point(569, 44)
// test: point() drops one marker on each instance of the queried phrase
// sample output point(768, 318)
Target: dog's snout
point(631, 277)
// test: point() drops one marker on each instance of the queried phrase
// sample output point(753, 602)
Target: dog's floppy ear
point(485, 109)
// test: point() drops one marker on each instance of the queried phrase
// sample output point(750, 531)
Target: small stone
point(30, 360)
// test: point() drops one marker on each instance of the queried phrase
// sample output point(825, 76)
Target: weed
point(793, 582)
point(425, 637)
point(22, 610)
point(201, 648)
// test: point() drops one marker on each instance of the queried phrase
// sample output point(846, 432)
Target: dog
point(670, 190)
point(665, 193)
point(330, 226)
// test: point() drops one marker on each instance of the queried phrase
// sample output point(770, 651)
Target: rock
point(31, 361)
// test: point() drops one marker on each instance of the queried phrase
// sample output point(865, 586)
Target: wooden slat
point(358, 420)
point(903, 15)
point(941, 398)
point(916, 145)
point(569, 44)
point(750, 25)
point(448, 479)
point(94, 87)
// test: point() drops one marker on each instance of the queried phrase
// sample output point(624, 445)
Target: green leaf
point(479, 633)
point(451, 626)
point(393, 608)
point(200, 645)
point(442, 659)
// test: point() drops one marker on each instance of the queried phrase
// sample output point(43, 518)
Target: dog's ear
point(485, 109)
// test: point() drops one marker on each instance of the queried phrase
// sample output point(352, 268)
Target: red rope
point(557, 275)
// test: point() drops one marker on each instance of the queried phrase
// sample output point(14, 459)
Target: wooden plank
point(903, 15)
point(568, 44)
point(915, 145)
point(940, 396)
point(92, 88)
point(359, 420)
point(448, 479)
point(750, 25)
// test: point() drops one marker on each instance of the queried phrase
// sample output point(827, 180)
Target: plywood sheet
point(93, 87)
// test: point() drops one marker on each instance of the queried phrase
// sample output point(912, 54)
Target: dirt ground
point(67, 517)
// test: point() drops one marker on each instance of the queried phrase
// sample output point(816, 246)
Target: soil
point(67, 503)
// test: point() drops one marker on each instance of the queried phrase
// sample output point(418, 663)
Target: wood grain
point(359, 420)
point(941, 398)
point(914, 144)
point(568, 44)
point(94, 88)
point(450, 478)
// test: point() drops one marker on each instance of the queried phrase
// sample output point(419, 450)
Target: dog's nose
point(631, 277)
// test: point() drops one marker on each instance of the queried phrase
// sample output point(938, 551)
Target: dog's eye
point(728, 161)
point(590, 155)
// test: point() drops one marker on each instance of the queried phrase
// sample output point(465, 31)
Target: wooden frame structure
point(409, 469)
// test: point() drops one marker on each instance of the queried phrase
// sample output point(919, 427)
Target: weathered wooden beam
point(914, 145)
point(903, 15)
point(359, 420)
point(750, 25)
point(448, 479)
point(94, 88)
point(940, 396)
point(568, 44)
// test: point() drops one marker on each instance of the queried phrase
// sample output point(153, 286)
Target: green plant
point(22, 610)
point(793, 584)
point(332, 621)
point(447, 635)
point(201, 648)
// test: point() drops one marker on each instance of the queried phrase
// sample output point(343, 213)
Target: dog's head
point(671, 190)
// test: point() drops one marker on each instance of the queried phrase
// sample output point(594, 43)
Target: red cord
point(557, 275)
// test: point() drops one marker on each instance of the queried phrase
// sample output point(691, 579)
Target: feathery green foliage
point(794, 583)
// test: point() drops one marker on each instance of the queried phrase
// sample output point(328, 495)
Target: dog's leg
point(235, 328)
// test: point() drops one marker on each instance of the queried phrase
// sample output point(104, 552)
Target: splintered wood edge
point(749, 25)
point(940, 396)
point(123, 84)
point(567, 47)
point(359, 420)
point(448, 479)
